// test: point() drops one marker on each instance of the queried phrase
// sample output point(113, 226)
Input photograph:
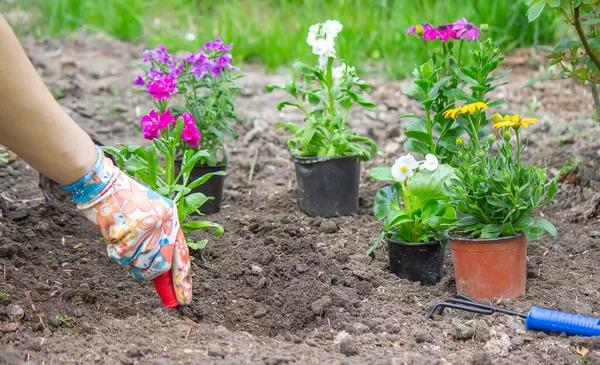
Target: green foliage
point(273, 32)
point(326, 103)
point(578, 59)
point(498, 194)
point(145, 164)
point(442, 82)
point(414, 211)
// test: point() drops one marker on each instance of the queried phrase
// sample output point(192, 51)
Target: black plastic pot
point(213, 187)
point(328, 186)
point(423, 261)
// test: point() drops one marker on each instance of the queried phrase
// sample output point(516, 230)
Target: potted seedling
point(207, 87)
point(496, 194)
point(415, 211)
point(326, 152)
point(155, 165)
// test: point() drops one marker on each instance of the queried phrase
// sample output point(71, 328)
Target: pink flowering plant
point(451, 76)
point(182, 136)
point(205, 87)
point(326, 97)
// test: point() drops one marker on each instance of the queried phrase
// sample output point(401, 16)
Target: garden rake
point(537, 318)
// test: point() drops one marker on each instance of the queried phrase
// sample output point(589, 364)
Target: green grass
point(273, 32)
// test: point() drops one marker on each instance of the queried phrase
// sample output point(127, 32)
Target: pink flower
point(139, 81)
point(163, 87)
point(153, 122)
point(466, 30)
point(416, 30)
point(443, 32)
point(190, 132)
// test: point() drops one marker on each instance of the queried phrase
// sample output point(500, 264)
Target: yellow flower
point(512, 121)
point(465, 109)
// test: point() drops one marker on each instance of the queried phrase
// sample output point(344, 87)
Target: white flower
point(403, 167)
point(331, 28)
point(338, 73)
point(313, 33)
point(190, 36)
point(324, 49)
point(431, 162)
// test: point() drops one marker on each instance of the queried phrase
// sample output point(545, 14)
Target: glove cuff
point(92, 184)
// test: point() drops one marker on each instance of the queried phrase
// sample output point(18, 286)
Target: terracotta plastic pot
point(423, 261)
point(328, 186)
point(489, 268)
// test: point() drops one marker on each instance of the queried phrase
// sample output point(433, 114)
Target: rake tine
point(445, 304)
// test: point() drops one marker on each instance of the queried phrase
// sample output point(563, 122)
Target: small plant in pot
point(204, 83)
point(496, 195)
point(415, 210)
point(326, 152)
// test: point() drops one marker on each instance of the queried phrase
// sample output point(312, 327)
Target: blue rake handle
point(554, 321)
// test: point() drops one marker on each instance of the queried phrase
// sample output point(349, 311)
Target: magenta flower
point(217, 45)
point(190, 132)
point(419, 31)
point(466, 30)
point(155, 74)
point(139, 81)
point(159, 55)
point(176, 69)
point(152, 123)
point(443, 32)
point(163, 87)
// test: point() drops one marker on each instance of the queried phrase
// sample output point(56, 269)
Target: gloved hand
point(140, 227)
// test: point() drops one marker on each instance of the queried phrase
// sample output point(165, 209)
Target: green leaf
point(272, 87)
point(281, 105)
point(293, 128)
point(152, 165)
point(497, 202)
point(457, 94)
point(382, 173)
point(428, 185)
point(590, 21)
point(535, 9)
point(160, 145)
point(305, 69)
point(203, 225)
point(204, 178)
point(552, 190)
point(200, 245)
point(491, 231)
point(191, 163)
point(420, 136)
point(395, 218)
point(371, 250)
point(547, 226)
point(196, 200)
point(386, 199)
point(546, 48)
point(416, 146)
point(553, 3)
point(309, 132)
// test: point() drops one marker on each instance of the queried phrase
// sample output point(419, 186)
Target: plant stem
point(329, 86)
point(518, 146)
point(460, 51)
point(584, 41)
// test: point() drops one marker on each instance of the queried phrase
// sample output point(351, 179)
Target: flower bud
point(419, 29)
point(484, 27)
point(506, 135)
point(460, 141)
point(491, 137)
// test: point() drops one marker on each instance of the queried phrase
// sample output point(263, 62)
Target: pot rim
point(317, 159)
point(388, 239)
point(448, 235)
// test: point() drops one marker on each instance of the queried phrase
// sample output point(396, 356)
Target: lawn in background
point(273, 32)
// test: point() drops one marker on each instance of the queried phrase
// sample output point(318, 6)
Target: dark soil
point(281, 287)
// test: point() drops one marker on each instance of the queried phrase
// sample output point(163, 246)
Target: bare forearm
point(32, 123)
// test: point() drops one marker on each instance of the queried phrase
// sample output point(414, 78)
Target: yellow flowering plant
point(448, 79)
point(497, 195)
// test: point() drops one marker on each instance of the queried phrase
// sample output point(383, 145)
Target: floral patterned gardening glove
point(140, 226)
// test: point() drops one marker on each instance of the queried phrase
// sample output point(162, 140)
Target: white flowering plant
point(326, 97)
point(415, 207)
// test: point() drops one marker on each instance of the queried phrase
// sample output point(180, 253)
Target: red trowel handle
point(166, 290)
